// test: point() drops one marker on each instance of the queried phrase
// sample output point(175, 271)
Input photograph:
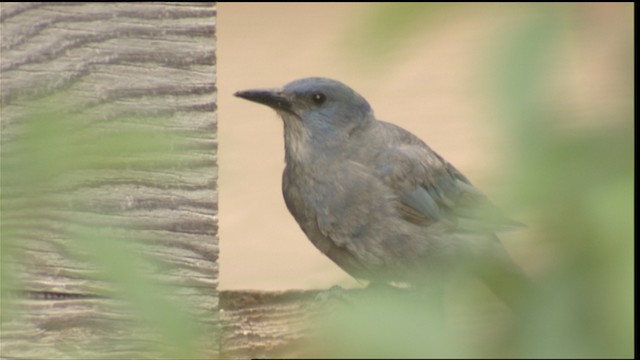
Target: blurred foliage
point(579, 184)
point(576, 184)
point(54, 147)
point(381, 30)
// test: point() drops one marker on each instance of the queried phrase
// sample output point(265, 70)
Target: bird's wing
point(429, 190)
point(354, 222)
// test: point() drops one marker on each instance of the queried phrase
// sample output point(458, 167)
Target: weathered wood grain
point(270, 324)
point(107, 72)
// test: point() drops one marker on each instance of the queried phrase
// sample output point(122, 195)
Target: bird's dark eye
point(318, 98)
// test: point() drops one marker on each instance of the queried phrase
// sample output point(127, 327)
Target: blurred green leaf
point(55, 144)
point(578, 184)
point(383, 30)
point(120, 264)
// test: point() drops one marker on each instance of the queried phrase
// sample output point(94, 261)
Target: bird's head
point(321, 108)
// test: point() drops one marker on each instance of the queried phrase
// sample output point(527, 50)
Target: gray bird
point(376, 199)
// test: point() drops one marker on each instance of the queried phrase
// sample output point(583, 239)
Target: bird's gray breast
point(351, 216)
point(305, 197)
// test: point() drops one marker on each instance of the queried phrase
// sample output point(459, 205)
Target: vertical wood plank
point(106, 75)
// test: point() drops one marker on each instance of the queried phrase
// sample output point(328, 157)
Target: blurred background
point(532, 102)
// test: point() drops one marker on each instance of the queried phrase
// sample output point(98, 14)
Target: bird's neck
point(297, 147)
point(312, 148)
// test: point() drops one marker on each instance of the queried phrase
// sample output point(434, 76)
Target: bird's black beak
point(272, 98)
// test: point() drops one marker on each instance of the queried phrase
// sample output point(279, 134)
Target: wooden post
point(268, 324)
point(118, 100)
